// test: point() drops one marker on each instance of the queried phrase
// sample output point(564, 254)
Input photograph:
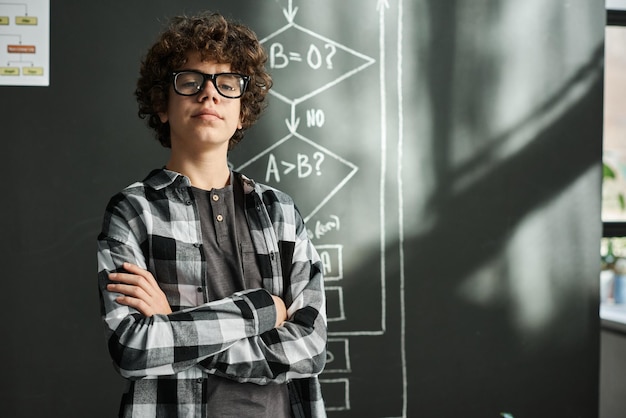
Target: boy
point(212, 294)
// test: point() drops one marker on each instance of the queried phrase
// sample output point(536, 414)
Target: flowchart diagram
point(310, 70)
point(25, 43)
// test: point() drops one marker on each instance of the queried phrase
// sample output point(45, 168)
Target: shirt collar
point(161, 178)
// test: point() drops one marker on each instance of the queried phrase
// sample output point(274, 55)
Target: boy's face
point(206, 120)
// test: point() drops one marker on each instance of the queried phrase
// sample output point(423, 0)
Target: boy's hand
point(139, 290)
point(281, 311)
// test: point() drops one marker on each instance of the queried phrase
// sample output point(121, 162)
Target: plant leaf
point(607, 172)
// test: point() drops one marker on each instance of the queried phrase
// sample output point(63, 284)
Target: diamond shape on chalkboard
point(304, 64)
point(303, 169)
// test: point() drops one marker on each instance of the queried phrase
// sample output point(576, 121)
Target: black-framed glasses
point(191, 82)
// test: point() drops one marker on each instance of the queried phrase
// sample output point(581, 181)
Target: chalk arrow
point(290, 13)
point(292, 124)
point(382, 3)
point(289, 166)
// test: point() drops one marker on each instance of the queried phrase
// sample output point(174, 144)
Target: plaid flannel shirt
point(166, 358)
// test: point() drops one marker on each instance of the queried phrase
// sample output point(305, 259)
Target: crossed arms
point(138, 289)
point(251, 336)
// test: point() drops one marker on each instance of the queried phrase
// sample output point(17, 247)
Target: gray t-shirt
point(231, 263)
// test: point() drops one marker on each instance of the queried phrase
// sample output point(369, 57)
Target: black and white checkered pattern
point(166, 358)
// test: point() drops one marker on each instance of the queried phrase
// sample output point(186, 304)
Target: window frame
point(614, 17)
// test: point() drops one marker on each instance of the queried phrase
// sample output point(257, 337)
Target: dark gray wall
point(458, 201)
point(612, 363)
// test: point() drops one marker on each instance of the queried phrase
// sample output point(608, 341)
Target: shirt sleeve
point(296, 349)
point(166, 344)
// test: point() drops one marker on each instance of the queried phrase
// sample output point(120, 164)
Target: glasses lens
point(229, 85)
point(188, 83)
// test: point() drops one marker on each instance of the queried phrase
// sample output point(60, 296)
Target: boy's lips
point(207, 113)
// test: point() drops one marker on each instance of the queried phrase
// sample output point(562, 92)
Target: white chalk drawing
point(338, 360)
point(300, 53)
point(334, 303)
point(273, 171)
point(339, 386)
point(332, 259)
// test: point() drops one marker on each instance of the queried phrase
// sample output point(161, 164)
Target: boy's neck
point(205, 171)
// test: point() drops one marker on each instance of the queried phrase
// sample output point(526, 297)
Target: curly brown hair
point(215, 38)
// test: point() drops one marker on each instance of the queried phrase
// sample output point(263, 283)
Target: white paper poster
point(25, 43)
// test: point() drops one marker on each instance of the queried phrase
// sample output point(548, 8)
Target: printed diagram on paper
point(25, 43)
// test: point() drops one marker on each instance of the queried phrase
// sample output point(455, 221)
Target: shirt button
point(219, 218)
point(216, 198)
point(187, 202)
point(199, 289)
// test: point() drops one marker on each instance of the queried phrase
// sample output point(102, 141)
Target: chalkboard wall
point(446, 157)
